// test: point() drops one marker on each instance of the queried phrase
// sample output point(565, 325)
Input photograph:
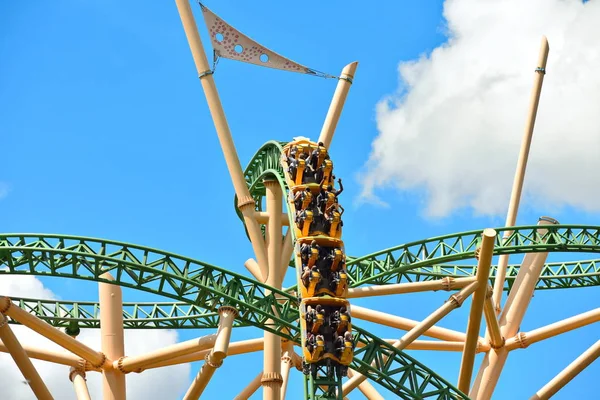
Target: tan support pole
point(437, 345)
point(215, 358)
point(367, 389)
point(453, 302)
point(406, 324)
point(523, 288)
point(77, 376)
point(287, 249)
point(483, 273)
point(241, 347)
point(447, 283)
point(525, 339)
point(251, 388)
point(25, 365)
point(141, 362)
point(47, 355)
point(245, 201)
point(515, 196)
point(263, 217)
point(253, 267)
point(510, 319)
point(286, 365)
point(441, 346)
point(96, 358)
point(272, 379)
point(493, 327)
point(567, 374)
point(112, 337)
point(337, 103)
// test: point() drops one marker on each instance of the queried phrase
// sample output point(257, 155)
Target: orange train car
point(321, 266)
point(326, 328)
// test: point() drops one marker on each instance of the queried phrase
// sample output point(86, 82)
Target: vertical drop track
point(315, 219)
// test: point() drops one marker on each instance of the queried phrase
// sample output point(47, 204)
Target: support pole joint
point(205, 73)
point(521, 339)
point(245, 201)
point(211, 363)
point(5, 305)
point(102, 362)
point(228, 309)
point(447, 283)
point(76, 371)
point(271, 377)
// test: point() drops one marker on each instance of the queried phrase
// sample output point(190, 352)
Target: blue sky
point(107, 134)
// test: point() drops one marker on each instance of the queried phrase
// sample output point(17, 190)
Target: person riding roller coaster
point(306, 251)
point(327, 195)
point(336, 207)
point(312, 162)
point(307, 273)
point(302, 199)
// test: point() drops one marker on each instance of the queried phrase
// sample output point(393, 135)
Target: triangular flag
point(230, 43)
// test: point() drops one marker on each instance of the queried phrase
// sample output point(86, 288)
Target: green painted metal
point(421, 260)
point(178, 315)
point(405, 263)
point(386, 265)
point(153, 271)
point(263, 165)
point(198, 284)
point(322, 386)
point(159, 315)
point(417, 382)
point(209, 287)
point(203, 288)
point(554, 275)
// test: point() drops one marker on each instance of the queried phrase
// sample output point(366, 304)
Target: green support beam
point(201, 285)
point(178, 315)
point(159, 315)
point(153, 271)
point(554, 275)
point(386, 266)
point(200, 288)
point(422, 260)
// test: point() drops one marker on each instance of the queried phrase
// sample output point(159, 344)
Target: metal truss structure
point(206, 297)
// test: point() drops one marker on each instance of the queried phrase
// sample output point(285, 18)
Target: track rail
point(424, 260)
point(201, 285)
point(162, 273)
point(201, 288)
point(386, 265)
point(179, 315)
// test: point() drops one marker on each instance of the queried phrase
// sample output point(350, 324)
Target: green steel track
point(178, 315)
point(199, 289)
point(206, 287)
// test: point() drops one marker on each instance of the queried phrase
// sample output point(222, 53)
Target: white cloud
point(164, 383)
point(454, 129)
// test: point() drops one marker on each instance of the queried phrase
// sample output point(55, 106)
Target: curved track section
point(424, 260)
point(554, 275)
point(204, 287)
point(207, 287)
point(264, 164)
point(179, 315)
point(386, 265)
point(153, 271)
point(159, 315)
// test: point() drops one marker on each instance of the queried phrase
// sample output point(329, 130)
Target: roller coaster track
point(206, 287)
point(200, 288)
point(423, 260)
point(178, 315)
